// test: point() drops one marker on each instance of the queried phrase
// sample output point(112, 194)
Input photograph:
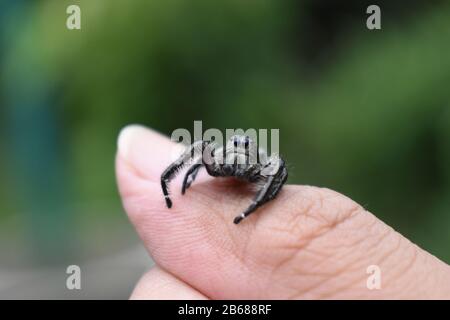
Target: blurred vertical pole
point(35, 146)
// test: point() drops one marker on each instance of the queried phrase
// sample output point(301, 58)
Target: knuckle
point(311, 212)
point(321, 240)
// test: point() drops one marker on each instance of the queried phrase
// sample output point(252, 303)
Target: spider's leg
point(173, 169)
point(268, 192)
point(168, 175)
point(190, 176)
point(278, 182)
point(258, 201)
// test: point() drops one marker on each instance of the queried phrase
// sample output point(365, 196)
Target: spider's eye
point(235, 142)
point(247, 142)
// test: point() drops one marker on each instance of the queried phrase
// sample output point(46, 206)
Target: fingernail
point(127, 137)
point(144, 149)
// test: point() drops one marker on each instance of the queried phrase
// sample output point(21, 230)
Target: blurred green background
point(366, 113)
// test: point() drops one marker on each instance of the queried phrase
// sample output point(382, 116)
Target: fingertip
point(144, 150)
point(127, 136)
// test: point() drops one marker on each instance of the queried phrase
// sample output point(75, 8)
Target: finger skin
point(158, 284)
point(308, 243)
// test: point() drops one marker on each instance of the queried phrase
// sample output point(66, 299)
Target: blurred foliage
point(366, 113)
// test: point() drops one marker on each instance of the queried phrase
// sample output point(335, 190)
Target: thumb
point(307, 243)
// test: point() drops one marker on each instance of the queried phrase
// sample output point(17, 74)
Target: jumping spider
point(231, 161)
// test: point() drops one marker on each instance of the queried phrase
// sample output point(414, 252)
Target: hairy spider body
point(240, 159)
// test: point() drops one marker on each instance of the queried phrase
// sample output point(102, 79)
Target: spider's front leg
point(168, 175)
point(269, 191)
point(175, 167)
point(257, 202)
point(208, 160)
point(190, 176)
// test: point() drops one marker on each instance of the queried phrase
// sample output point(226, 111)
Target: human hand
point(308, 243)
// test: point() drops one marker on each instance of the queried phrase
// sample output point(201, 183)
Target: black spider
point(238, 159)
